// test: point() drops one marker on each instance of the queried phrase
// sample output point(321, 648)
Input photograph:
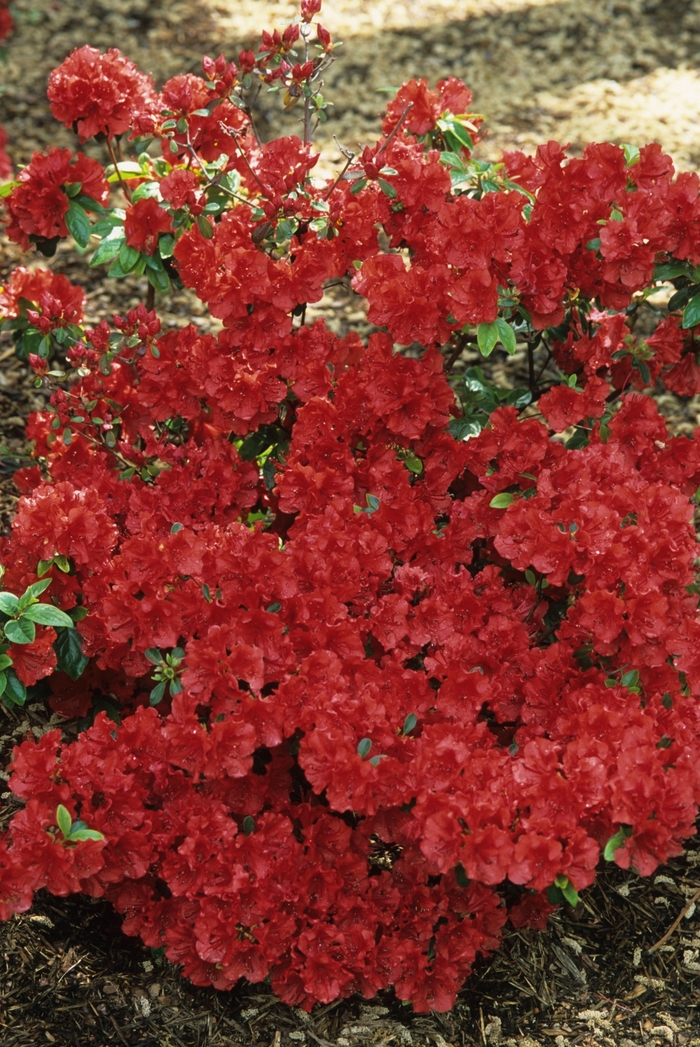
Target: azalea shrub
point(368, 654)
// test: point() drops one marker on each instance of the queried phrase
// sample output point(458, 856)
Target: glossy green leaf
point(78, 224)
point(506, 335)
point(63, 820)
point(69, 653)
point(20, 630)
point(15, 692)
point(9, 604)
point(363, 747)
point(486, 336)
point(616, 841)
point(409, 723)
point(567, 889)
point(47, 614)
point(691, 313)
point(85, 834)
point(157, 693)
point(502, 500)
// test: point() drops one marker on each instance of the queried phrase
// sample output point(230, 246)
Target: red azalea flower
point(38, 205)
point(33, 284)
point(6, 169)
point(6, 23)
point(99, 93)
point(144, 221)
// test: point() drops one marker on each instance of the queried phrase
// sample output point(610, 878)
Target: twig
point(463, 341)
point(684, 911)
point(349, 157)
point(306, 32)
point(213, 181)
point(125, 189)
point(234, 134)
point(396, 127)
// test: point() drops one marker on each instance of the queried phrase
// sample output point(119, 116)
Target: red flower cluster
point(37, 206)
point(99, 93)
point(37, 286)
point(6, 21)
point(5, 161)
point(366, 671)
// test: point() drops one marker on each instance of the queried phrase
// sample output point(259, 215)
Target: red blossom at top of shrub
point(6, 22)
point(99, 93)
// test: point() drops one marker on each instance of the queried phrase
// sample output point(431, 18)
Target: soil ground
point(623, 968)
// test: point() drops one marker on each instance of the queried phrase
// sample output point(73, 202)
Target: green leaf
point(47, 614)
point(248, 825)
point(363, 747)
point(157, 693)
point(387, 188)
point(691, 313)
point(6, 188)
point(567, 889)
point(153, 655)
point(506, 335)
point(146, 190)
point(409, 723)
point(502, 500)
point(166, 245)
point(20, 630)
point(630, 679)
point(63, 820)
point(205, 227)
point(466, 428)
point(85, 834)
point(6, 661)
point(414, 465)
point(91, 205)
point(631, 154)
point(15, 692)
point(358, 186)
point(9, 604)
point(616, 841)
point(461, 876)
point(487, 335)
point(127, 169)
point(672, 270)
point(69, 653)
point(128, 257)
point(372, 504)
point(78, 224)
point(452, 127)
point(158, 278)
point(681, 298)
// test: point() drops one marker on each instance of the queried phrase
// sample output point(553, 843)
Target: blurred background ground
point(621, 70)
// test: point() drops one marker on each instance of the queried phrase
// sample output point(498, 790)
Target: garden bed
point(601, 973)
